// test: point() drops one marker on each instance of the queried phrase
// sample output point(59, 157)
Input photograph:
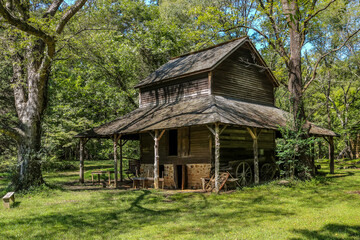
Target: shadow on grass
point(341, 175)
point(90, 220)
point(16, 204)
point(331, 231)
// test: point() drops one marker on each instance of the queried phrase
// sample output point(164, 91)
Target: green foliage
point(287, 151)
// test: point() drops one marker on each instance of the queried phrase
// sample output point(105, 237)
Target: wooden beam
point(161, 134)
point(121, 159)
point(217, 157)
point(211, 130)
point(255, 136)
point(331, 155)
point(156, 159)
point(81, 156)
point(210, 79)
point(116, 139)
point(152, 135)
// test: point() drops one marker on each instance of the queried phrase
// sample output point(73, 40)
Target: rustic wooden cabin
point(203, 113)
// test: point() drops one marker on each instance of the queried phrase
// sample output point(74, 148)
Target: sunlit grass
point(323, 208)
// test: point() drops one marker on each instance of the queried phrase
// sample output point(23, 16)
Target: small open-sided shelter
point(202, 113)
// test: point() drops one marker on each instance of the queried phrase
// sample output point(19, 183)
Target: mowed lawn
point(324, 208)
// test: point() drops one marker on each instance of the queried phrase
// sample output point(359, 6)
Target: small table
point(98, 173)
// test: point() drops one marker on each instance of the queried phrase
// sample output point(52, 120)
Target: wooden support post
point(255, 136)
point(81, 173)
point(216, 134)
point(217, 157)
point(121, 161)
point(331, 155)
point(157, 138)
point(156, 160)
point(116, 139)
point(115, 160)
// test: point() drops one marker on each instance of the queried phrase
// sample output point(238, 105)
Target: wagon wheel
point(244, 173)
point(267, 171)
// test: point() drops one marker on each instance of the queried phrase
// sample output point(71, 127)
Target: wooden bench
point(7, 197)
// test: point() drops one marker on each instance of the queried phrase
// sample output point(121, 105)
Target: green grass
point(323, 208)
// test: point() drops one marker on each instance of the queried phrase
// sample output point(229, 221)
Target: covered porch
point(215, 113)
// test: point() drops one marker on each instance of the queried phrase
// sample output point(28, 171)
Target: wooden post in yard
point(217, 157)
point(216, 134)
point(81, 172)
point(156, 138)
point(121, 161)
point(331, 154)
point(255, 136)
point(116, 140)
point(115, 161)
point(156, 160)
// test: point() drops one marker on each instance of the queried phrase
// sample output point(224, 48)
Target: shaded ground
point(324, 208)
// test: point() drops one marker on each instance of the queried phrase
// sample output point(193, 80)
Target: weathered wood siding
point(175, 90)
point(237, 79)
point(193, 147)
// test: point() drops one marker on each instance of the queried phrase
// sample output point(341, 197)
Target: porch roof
point(198, 111)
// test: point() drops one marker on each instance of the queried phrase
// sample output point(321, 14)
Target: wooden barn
point(201, 114)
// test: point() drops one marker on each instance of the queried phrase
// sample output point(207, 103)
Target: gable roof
point(198, 111)
point(199, 61)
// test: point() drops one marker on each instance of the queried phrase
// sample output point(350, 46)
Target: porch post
point(81, 172)
point(217, 157)
point(121, 161)
point(255, 136)
point(116, 139)
point(331, 154)
point(115, 161)
point(156, 160)
point(156, 138)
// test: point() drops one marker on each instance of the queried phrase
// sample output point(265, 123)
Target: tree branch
point(22, 9)
point(53, 8)
point(14, 133)
point(69, 14)
point(325, 55)
point(275, 27)
point(271, 43)
point(311, 16)
point(22, 25)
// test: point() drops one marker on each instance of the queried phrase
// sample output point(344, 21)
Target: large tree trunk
point(295, 85)
point(31, 69)
point(30, 76)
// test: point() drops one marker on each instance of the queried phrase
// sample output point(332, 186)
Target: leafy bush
point(287, 150)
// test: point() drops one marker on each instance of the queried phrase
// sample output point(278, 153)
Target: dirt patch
point(354, 192)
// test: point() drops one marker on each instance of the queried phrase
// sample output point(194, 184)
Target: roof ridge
point(208, 48)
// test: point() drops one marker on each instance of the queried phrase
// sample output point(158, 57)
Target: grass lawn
point(324, 208)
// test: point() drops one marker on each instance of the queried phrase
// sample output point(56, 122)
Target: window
point(173, 142)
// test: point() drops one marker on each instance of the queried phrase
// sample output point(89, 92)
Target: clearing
point(327, 207)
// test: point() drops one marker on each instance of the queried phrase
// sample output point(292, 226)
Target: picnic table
point(99, 173)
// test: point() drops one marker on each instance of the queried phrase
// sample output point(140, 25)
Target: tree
point(286, 26)
point(33, 29)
